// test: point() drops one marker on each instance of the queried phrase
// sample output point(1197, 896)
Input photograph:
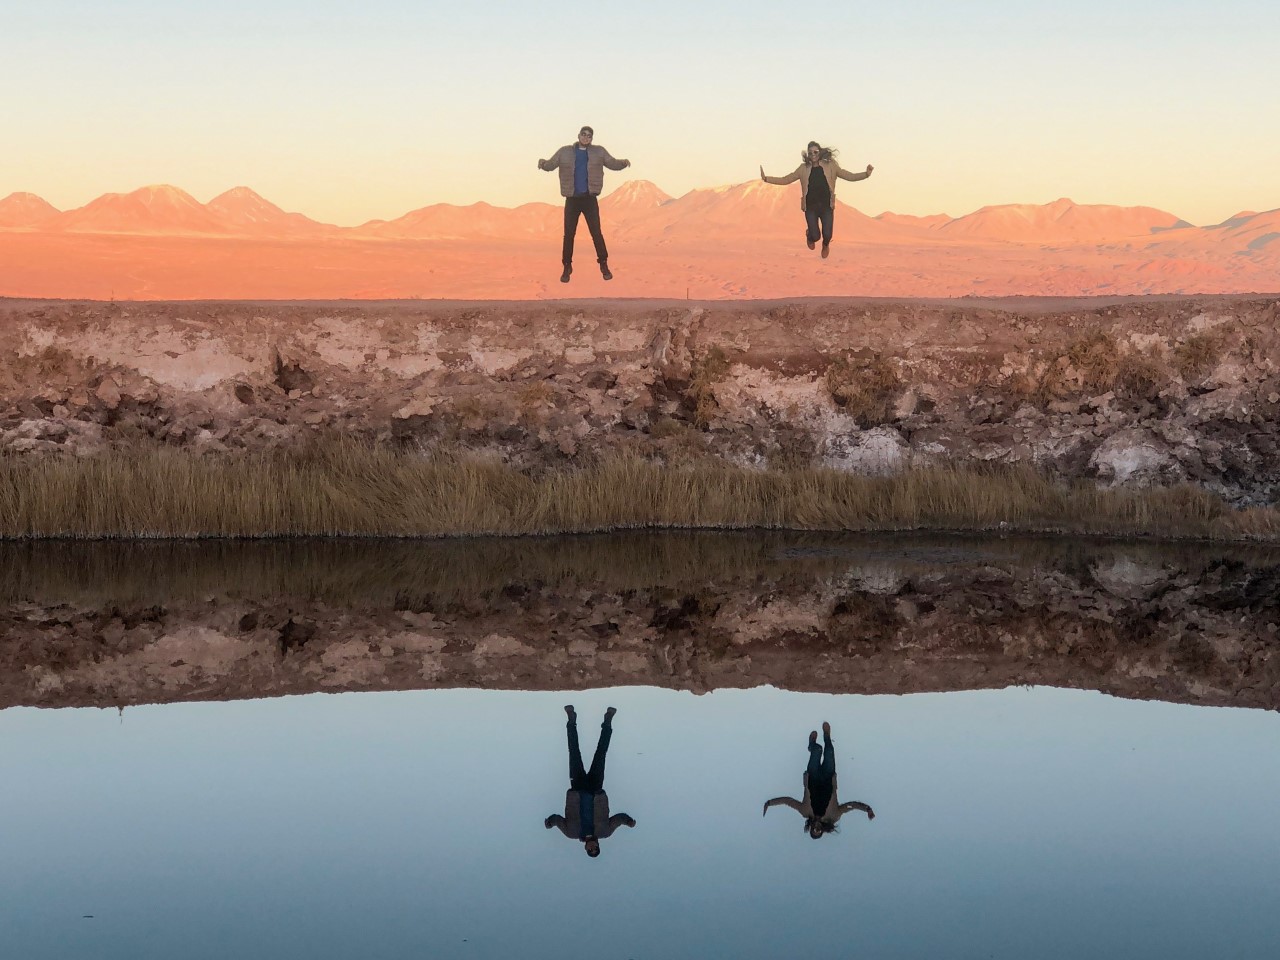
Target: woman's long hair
point(824, 153)
point(817, 828)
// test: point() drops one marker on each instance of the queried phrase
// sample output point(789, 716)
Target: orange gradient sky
point(349, 112)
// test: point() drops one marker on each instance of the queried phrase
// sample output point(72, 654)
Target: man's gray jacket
point(597, 159)
point(571, 823)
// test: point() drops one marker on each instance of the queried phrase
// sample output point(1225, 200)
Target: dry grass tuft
point(684, 441)
point(1196, 355)
point(1098, 359)
point(535, 400)
point(345, 488)
point(796, 449)
point(1091, 365)
point(708, 369)
point(865, 387)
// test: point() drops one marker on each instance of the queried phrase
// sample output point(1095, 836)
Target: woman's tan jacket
point(831, 168)
point(835, 809)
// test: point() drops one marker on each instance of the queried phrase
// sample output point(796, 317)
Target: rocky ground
point(1131, 391)
point(117, 624)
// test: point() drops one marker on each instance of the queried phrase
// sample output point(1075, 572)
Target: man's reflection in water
point(820, 807)
point(586, 805)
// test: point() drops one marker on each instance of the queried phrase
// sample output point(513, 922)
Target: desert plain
point(743, 241)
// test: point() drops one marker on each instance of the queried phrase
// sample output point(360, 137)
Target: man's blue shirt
point(587, 813)
point(580, 170)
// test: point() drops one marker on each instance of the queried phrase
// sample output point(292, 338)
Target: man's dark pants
point(588, 206)
point(588, 781)
point(824, 217)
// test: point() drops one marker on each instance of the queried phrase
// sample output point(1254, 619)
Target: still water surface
point(1009, 823)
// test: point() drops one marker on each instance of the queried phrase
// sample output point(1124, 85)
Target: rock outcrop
point(1138, 391)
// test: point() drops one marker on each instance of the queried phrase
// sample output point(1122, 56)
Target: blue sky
point(353, 111)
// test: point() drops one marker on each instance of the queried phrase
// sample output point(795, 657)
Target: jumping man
point(581, 167)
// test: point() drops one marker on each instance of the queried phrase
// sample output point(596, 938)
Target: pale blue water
point(1016, 823)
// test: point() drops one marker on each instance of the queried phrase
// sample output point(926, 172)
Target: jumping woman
point(817, 173)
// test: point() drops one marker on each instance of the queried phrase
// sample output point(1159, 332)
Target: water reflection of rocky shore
point(117, 624)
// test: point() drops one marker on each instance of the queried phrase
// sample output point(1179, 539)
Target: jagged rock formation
point(117, 624)
point(1138, 391)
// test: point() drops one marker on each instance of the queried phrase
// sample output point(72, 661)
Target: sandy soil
point(168, 268)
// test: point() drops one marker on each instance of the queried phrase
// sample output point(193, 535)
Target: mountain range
point(640, 211)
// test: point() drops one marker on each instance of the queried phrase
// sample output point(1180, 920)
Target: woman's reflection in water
point(586, 805)
point(821, 808)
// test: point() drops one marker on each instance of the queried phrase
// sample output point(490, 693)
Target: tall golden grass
point(346, 488)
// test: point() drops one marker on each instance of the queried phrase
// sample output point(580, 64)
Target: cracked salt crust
point(349, 662)
point(177, 659)
point(492, 362)
point(500, 645)
point(624, 340)
point(186, 361)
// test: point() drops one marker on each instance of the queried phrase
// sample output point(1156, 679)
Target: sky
point(1009, 823)
point(349, 112)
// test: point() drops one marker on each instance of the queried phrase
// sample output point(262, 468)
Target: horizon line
point(604, 196)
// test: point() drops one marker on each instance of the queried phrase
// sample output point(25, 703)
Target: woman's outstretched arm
point(844, 174)
point(784, 802)
point(855, 805)
point(791, 177)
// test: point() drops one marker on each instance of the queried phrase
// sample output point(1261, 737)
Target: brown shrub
point(1196, 355)
point(474, 411)
point(48, 366)
point(1094, 364)
point(708, 369)
point(684, 441)
point(864, 387)
point(535, 399)
point(1141, 374)
point(796, 448)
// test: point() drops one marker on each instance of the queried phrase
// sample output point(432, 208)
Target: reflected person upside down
point(820, 807)
point(586, 805)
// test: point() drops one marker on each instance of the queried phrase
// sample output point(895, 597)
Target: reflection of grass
point(495, 572)
point(405, 574)
point(346, 488)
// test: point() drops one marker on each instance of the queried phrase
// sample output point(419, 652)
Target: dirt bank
point(1121, 391)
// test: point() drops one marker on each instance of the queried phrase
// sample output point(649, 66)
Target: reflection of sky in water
point(1008, 824)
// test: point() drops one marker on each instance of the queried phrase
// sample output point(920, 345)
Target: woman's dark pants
point(825, 218)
